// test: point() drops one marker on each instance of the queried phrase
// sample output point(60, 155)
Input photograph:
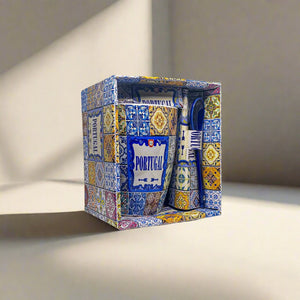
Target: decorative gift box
point(152, 150)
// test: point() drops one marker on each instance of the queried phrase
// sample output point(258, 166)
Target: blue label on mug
point(147, 163)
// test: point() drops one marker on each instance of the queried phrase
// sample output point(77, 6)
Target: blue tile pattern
point(212, 131)
point(137, 203)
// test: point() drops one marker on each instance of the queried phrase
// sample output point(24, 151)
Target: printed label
point(195, 139)
point(94, 121)
point(147, 163)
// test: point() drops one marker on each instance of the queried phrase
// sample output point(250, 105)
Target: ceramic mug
point(147, 146)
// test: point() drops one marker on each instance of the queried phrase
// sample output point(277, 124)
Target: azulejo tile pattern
point(106, 175)
point(211, 154)
point(183, 179)
point(109, 148)
point(211, 178)
point(212, 107)
point(158, 121)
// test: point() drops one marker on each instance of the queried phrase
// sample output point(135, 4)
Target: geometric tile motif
point(123, 149)
point(100, 181)
point(110, 204)
point(86, 172)
point(171, 218)
point(211, 178)
point(92, 173)
point(84, 100)
point(143, 112)
point(143, 128)
point(212, 107)
point(211, 131)
point(152, 200)
point(124, 203)
point(84, 124)
point(85, 147)
point(110, 90)
point(158, 120)
point(181, 200)
point(172, 121)
point(182, 178)
point(92, 203)
point(100, 202)
point(147, 221)
point(194, 179)
point(124, 177)
point(109, 148)
point(90, 98)
point(194, 199)
point(212, 199)
point(172, 149)
point(168, 176)
point(211, 154)
point(131, 112)
point(132, 127)
point(136, 203)
point(110, 177)
point(121, 119)
point(109, 119)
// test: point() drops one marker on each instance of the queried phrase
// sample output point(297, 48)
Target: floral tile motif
point(211, 131)
point(162, 200)
point(110, 90)
point(132, 127)
point(212, 199)
point(127, 224)
point(172, 121)
point(131, 112)
point(143, 112)
point(171, 218)
point(194, 179)
point(84, 100)
point(182, 178)
point(90, 98)
point(181, 200)
point(86, 171)
point(211, 154)
point(109, 148)
point(92, 173)
point(152, 200)
point(124, 203)
point(121, 119)
point(124, 177)
point(172, 149)
point(92, 202)
point(100, 202)
point(108, 119)
point(111, 177)
point(158, 121)
point(148, 221)
point(144, 128)
point(137, 203)
point(194, 199)
point(192, 215)
point(168, 176)
point(85, 124)
point(100, 181)
point(211, 178)
point(212, 107)
point(110, 203)
point(85, 147)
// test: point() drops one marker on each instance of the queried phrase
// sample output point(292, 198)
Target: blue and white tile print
point(86, 171)
point(143, 112)
point(112, 180)
point(131, 112)
point(100, 174)
point(123, 149)
point(84, 100)
point(147, 221)
point(212, 199)
point(132, 127)
point(85, 147)
point(144, 128)
point(209, 212)
point(137, 203)
point(124, 177)
point(211, 131)
point(110, 91)
point(194, 199)
point(172, 149)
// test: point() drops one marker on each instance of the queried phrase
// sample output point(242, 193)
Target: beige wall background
point(40, 106)
point(253, 48)
point(53, 49)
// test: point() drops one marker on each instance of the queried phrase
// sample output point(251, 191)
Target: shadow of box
point(119, 110)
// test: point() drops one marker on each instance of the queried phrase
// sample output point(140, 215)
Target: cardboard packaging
point(142, 159)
